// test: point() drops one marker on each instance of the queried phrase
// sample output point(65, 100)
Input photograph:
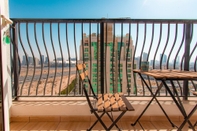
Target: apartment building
point(118, 54)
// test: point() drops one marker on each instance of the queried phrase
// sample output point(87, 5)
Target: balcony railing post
point(15, 59)
point(188, 37)
point(102, 57)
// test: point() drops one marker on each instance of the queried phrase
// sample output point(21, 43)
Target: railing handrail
point(107, 20)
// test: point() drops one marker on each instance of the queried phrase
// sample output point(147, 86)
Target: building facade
point(118, 60)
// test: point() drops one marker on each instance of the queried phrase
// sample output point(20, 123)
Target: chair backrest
point(83, 74)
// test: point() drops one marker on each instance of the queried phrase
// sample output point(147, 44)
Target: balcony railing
point(44, 53)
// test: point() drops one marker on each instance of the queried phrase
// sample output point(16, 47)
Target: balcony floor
point(82, 126)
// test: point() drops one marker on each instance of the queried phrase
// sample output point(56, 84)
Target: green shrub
point(69, 88)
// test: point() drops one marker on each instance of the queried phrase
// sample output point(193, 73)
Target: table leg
point(186, 119)
point(178, 103)
point(154, 97)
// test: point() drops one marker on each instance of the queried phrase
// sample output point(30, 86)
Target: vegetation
point(69, 88)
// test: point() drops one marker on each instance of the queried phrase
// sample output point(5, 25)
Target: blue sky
point(143, 9)
point(135, 9)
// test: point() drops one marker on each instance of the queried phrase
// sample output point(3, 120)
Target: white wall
point(6, 67)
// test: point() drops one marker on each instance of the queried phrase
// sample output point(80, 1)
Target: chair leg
point(117, 119)
point(195, 124)
point(112, 120)
point(102, 123)
point(98, 119)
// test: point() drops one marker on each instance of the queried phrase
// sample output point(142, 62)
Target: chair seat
point(112, 103)
point(104, 102)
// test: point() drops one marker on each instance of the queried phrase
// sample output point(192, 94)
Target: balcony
point(49, 94)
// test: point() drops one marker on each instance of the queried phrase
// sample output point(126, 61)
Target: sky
point(134, 9)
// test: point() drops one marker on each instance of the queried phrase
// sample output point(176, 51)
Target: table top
point(170, 74)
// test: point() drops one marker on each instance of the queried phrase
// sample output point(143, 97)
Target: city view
point(52, 71)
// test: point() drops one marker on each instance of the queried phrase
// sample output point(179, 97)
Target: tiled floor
point(82, 126)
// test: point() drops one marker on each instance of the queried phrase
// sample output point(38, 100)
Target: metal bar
point(152, 38)
point(136, 43)
point(187, 118)
point(55, 58)
point(36, 40)
point(175, 38)
point(142, 50)
point(98, 58)
point(163, 53)
point(113, 56)
point(195, 63)
point(128, 48)
point(75, 55)
point(192, 52)
point(153, 97)
point(117, 119)
point(11, 60)
point(48, 60)
point(181, 44)
point(15, 62)
point(80, 87)
point(90, 54)
point(29, 43)
point(121, 41)
point(111, 118)
point(102, 74)
point(180, 87)
point(62, 57)
point(105, 47)
point(68, 55)
point(187, 59)
point(176, 101)
point(26, 56)
point(98, 119)
point(159, 42)
point(150, 47)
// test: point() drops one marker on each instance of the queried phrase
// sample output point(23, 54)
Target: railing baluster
point(35, 36)
point(167, 41)
point(150, 47)
point(178, 51)
point(32, 52)
point(188, 39)
point(102, 41)
point(90, 53)
point(121, 41)
point(68, 57)
point(136, 44)
point(175, 39)
point(158, 44)
point(114, 54)
point(62, 57)
point(98, 58)
point(75, 57)
point(128, 48)
point(55, 58)
point(48, 58)
point(15, 60)
point(105, 47)
point(142, 51)
point(26, 57)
